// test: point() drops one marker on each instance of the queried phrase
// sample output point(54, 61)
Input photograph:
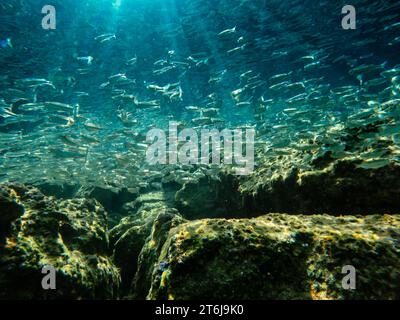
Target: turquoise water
point(78, 101)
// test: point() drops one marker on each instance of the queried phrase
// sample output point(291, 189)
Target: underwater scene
point(199, 149)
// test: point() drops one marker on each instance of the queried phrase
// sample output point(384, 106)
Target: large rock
point(209, 197)
point(70, 235)
point(112, 199)
point(276, 256)
point(59, 190)
point(290, 184)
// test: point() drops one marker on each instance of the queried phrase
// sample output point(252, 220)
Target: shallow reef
point(157, 252)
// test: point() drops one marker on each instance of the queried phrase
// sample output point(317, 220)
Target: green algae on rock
point(276, 256)
point(70, 235)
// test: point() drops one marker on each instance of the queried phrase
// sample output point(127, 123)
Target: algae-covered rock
point(69, 235)
point(339, 188)
point(9, 208)
point(291, 184)
point(276, 256)
point(129, 236)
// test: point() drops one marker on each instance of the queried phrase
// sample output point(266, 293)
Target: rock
point(210, 198)
point(129, 236)
point(276, 256)
point(70, 235)
point(147, 261)
point(58, 189)
point(10, 209)
point(349, 170)
point(115, 200)
point(345, 170)
point(112, 199)
point(294, 184)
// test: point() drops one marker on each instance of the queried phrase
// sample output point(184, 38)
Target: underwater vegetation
point(309, 107)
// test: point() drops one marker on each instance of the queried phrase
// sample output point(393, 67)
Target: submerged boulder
point(60, 190)
point(69, 235)
point(292, 184)
point(129, 237)
point(276, 256)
